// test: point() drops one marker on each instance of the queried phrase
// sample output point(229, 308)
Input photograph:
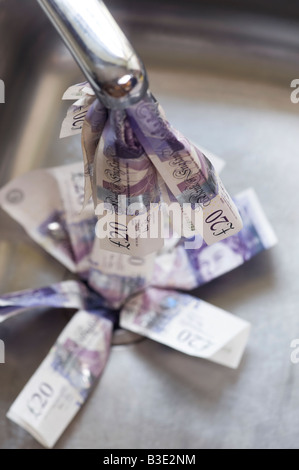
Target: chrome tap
point(107, 59)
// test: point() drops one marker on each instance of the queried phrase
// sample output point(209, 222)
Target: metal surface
point(104, 54)
point(223, 80)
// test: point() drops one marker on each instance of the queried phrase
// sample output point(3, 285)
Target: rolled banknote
point(93, 126)
point(189, 175)
point(63, 381)
point(126, 189)
point(67, 294)
point(189, 325)
point(198, 266)
point(33, 200)
point(48, 204)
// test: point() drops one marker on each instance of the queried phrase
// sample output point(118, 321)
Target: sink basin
point(223, 78)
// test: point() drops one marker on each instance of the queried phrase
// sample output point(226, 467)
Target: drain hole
point(122, 337)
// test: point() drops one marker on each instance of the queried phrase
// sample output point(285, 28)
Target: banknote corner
point(294, 355)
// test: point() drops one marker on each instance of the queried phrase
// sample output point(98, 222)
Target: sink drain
point(122, 337)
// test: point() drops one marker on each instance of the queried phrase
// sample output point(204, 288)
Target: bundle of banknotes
point(137, 289)
point(135, 160)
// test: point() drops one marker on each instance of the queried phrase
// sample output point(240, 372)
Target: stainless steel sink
point(223, 77)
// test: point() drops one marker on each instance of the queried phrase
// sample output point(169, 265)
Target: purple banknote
point(199, 265)
point(67, 294)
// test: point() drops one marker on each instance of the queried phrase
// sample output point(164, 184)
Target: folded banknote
point(189, 325)
point(48, 204)
point(127, 189)
point(62, 383)
point(187, 172)
point(67, 294)
point(199, 265)
point(77, 91)
point(76, 113)
point(116, 276)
